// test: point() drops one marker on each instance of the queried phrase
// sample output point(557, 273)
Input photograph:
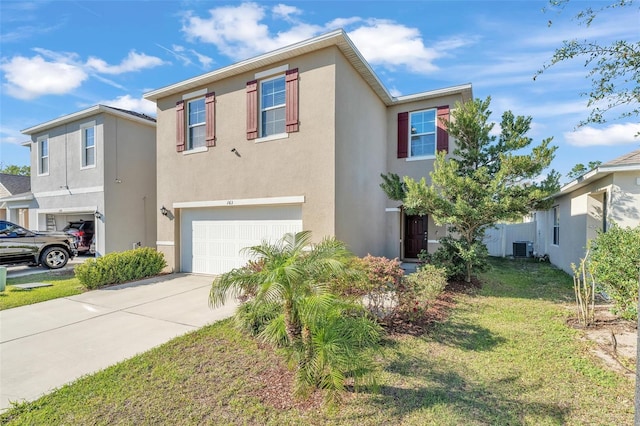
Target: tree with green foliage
point(614, 68)
point(12, 169)
point(488, 179)
point(580, 169)
point(289, 305)
point(615, 264)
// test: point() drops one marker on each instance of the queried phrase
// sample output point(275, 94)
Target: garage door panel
point(213, 238)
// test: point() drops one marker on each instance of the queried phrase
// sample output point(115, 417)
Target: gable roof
point(337, 38)
point(96, 109)
point(625, 163)
point(15, 184)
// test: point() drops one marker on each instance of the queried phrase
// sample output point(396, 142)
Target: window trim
point(188, 142)
point(44, 138)
point(261, 136)
point(555, 236)
point(435, 135)
point(83, 145)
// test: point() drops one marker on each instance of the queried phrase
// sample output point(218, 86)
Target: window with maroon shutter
point(443, 135)
point(252, 109)
point(210, 118)
point(403, 135)
point(180, 134)
point(291, 107)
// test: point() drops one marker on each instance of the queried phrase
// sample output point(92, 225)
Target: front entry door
point(415, 235)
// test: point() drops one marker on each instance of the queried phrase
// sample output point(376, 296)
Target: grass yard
point(504, 356)
point(64, 284)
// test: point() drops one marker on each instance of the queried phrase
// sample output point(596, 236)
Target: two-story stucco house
point(98, 164)
point(608, 194)
point(292, 139)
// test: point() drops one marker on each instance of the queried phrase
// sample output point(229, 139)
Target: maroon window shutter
point(403, 135)
point(443, 135)
point(252, 109)
point(291, 106)
point(180, 146)
point(210, 118)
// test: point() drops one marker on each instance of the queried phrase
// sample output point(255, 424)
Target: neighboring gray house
point(15, 198)
point(289, 140)
point(96, 164)
point(610, 193)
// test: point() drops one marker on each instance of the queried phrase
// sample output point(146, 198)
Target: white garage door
point(212, 238)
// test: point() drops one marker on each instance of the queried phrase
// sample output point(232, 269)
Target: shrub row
point(119, 267)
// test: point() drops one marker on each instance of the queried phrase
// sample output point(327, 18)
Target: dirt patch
point(615, 339)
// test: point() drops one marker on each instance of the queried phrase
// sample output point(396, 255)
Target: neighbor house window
point(556, 226)
point(423, 133)
point(272, 103)
point(88, 146)
point(43, 156)
point(272, 107)
point(195, 121)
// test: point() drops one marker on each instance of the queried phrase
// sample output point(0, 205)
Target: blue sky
point(58, 57)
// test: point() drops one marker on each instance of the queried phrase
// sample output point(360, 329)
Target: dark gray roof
point(135, 114)
point(631, 158)
point(15, 184)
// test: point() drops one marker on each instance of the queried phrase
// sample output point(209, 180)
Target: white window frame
point(83, 145)
point(283, 134)
point(410, 156)
point(189, 145)
point(555, 237)
point(41, 158)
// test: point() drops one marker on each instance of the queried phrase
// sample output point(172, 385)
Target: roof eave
point(79, 115)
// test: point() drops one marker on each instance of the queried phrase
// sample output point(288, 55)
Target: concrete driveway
point(46, 345)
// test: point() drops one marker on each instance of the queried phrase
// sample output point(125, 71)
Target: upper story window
point(195, 127)
point(423, 133)
point(88, 145)
point(272, 107)
point(556, 226)
point(272, 104)
point(196, 124)
point(43, 156)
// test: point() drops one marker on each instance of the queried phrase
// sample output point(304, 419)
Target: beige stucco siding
point(625, 199)
point(299, 165)
point(360, 159)
point(129, 185)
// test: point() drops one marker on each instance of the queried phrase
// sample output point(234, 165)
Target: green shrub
point(120, 267)
point(615, 263)
point(419, 290)
point(453, 255)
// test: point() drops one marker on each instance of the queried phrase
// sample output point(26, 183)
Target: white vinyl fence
point(499, 240)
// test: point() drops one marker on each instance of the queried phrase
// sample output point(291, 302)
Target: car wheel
point(54, 258)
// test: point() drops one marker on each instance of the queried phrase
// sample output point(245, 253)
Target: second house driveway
point(46, 345)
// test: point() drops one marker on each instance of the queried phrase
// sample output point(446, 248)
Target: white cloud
point(12, 136)
point(205, 61)
point(616, 134)
point(389, 44)
point(28, 78)
point(133, 62)
point(132, 104)
point(285, 12)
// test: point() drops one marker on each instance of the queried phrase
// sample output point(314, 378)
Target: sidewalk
point(46, 345)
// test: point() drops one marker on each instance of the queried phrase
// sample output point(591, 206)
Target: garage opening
point(213, 238)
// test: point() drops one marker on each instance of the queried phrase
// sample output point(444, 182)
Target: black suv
point(83, 231)
point(49, 249)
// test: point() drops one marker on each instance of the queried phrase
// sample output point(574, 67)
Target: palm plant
point(326, 338)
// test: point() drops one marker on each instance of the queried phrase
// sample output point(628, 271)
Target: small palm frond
point(275, 332)
point(231, 284)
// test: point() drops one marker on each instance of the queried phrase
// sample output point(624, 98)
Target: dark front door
point(415, 235)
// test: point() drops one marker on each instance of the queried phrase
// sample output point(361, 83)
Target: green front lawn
point(504, 356)
point(64, 284)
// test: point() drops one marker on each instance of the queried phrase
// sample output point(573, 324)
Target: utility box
point(522, 248)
